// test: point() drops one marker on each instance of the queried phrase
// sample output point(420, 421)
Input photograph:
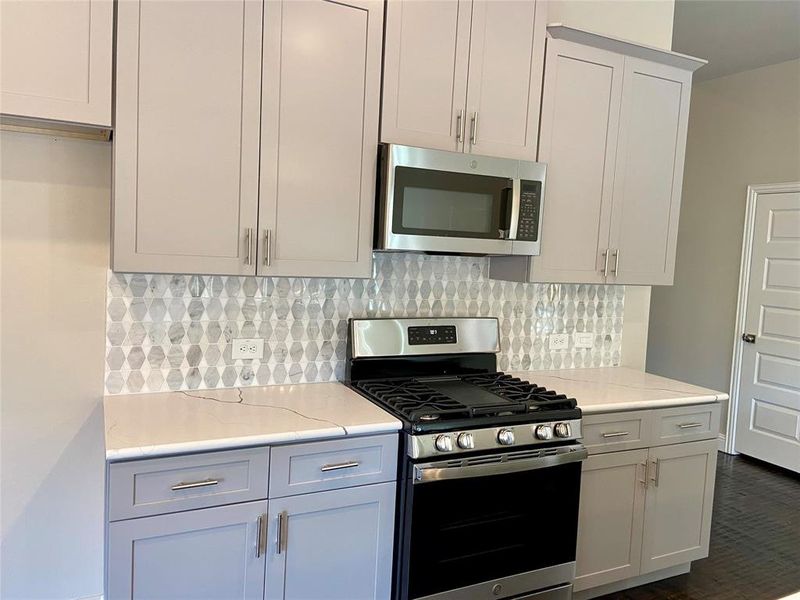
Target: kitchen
point(276, 320)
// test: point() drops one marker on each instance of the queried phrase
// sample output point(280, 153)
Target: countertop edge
point(652, 404)
point(251, 441)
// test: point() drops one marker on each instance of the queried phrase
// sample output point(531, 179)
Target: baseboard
point(617, 586)
point(721, 441)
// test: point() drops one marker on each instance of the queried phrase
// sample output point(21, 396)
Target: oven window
point(467, 531)
point(439, 203)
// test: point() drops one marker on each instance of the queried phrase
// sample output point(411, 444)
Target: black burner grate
point(518, 390)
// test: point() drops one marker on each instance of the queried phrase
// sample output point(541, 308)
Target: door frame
point(753, 192)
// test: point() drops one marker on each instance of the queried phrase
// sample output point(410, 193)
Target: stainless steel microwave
point(458, 203)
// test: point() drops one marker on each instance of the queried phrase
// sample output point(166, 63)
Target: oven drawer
point(164, 485)
point(616, 431)
point(685, 424)
point(318, 466)
point(562, 592)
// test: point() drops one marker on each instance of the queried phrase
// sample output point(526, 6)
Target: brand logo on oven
point(473, 164)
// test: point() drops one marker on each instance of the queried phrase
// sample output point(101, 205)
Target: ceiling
point(736, 35)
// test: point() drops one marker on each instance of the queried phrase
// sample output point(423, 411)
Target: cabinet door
point(611, 516)
point(186, 139)
point(677, 520)
point(321, 98)
point(56, 60)
point(334, 545)
point(208, 553)
point(506, 59)
point(649, 173)
point(580, 118)
point(425, 72)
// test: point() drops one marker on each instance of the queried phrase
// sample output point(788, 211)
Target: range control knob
point(465, 441)
point(562, 430)
point(444, 443)
point(505, 437)
point(544, 432)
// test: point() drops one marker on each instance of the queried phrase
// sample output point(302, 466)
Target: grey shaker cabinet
point(207, 553)
point(334, 545)
point(56, 60)
point(319, 135)
point(645, 510)
point(246, 134)
point(464, 76)
point(613, 133)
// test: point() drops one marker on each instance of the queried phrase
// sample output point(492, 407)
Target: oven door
point(437, 201)
point(491, 526)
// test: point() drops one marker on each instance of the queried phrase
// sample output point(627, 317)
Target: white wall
point(743, 129)
point(54, 223)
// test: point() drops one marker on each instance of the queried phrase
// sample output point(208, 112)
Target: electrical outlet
point(584, 339)
point(559, 341)
point(245, 348)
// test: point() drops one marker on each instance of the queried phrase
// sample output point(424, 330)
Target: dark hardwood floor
point(755, 539)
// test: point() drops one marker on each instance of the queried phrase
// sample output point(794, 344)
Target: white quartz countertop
point(149, 425)
point(619, 388)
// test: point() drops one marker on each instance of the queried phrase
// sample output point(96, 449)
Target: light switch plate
point(246, 348)
point(559, 341)
point(584, 339)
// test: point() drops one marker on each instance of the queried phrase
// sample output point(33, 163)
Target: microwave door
point(446, 211)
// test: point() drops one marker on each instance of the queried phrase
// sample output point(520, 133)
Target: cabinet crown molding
point(628, 48)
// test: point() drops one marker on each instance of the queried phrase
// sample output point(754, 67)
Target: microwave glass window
point(424, 208)
point(449, 204)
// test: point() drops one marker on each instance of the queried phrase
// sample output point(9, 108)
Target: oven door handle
point(438, 471)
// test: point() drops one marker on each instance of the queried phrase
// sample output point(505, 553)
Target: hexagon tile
point(174, 332)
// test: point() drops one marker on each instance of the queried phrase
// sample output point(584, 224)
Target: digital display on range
point(443, 334)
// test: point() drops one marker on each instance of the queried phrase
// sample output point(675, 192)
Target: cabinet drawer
point(616, 431)
point(163, 485)
point(685, 424)
point(303, 468)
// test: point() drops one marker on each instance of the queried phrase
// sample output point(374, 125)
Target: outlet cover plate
point(558, 341)
point(247, 348)
point(584, 339)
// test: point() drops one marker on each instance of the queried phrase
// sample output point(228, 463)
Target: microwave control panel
point(529, 208)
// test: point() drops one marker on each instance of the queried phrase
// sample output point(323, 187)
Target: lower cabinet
point(334, 545)
point(643, 511)
point(206, 553)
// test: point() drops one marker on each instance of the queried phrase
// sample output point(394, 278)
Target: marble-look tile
point(181, 326)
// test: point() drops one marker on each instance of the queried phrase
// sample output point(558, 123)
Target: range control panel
point(441, 334)
point(529, 208)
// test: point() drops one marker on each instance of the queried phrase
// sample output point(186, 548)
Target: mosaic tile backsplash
point(174, 332)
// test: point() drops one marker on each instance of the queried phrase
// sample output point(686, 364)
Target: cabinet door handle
point(460, 126)
point(267, 247)
point(473, 128)
point(689, 425)
point(283, 531)
point(194, 484)
point(261, 538)
point(643, 481)
point(656, 471)
point(606, 256)
point(614, 434)
point(616, 255)
point(338, 466)
point(248, 240)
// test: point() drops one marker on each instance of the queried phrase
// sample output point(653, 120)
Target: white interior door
point(768, 400)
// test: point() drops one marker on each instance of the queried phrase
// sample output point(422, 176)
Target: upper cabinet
point(55, 60)
point(464, 76)
point(319, 137)
point(246, 151)
point(613, 133)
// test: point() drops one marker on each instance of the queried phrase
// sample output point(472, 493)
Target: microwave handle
point(516, 195)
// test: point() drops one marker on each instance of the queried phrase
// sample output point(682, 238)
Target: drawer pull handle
point(614, 434)
point(338, 466)
point(194, 484)
point(689, 425)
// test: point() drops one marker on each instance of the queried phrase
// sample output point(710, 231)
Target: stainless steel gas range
point(490, 473)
